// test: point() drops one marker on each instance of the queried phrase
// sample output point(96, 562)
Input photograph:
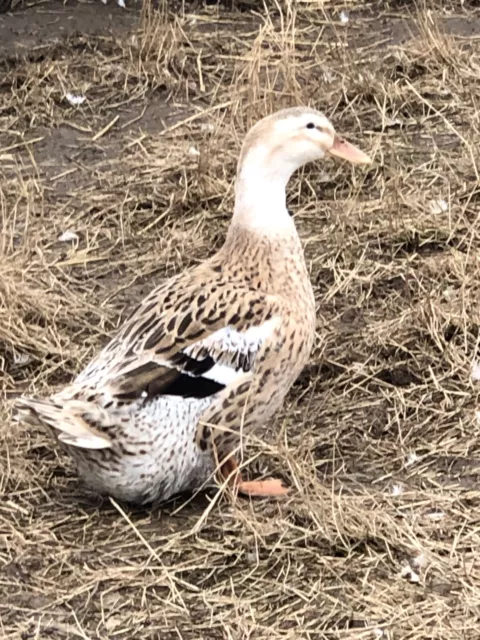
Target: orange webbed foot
point(262, 488)
point(272, 487)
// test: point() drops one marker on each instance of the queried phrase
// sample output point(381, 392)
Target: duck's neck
point(260, 196)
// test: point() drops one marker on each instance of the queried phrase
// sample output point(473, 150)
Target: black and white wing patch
point(200, 370)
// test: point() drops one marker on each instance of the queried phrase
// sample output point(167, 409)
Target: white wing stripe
point(229, 340)
point(223, 374)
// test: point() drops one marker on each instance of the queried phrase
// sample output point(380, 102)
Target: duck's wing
point(190, 338)
point(191, 342)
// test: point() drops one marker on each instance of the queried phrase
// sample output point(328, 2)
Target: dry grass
point(379, 437)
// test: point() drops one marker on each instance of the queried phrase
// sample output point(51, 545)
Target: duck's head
point(288, 139)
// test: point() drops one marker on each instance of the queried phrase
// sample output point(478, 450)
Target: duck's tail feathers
point(74, 421)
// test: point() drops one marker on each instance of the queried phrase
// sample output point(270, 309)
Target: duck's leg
point(262, 488)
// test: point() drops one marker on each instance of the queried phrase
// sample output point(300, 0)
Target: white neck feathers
point(260, 198)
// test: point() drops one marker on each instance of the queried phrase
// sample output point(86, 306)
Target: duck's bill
point(343, 149)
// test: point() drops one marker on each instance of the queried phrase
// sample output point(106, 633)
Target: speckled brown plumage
point(210, 354)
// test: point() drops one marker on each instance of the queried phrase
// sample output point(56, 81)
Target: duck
point(208, 356)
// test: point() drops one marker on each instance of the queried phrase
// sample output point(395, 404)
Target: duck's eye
point(310, 125)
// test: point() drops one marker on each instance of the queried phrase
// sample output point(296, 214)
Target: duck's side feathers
point(202, 369)
point(74, 421)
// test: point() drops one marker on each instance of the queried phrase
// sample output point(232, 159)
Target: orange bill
point(343, 149)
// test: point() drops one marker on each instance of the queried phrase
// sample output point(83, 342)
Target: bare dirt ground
point(379, 438)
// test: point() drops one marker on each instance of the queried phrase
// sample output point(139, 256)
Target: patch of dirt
point(32, 30)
